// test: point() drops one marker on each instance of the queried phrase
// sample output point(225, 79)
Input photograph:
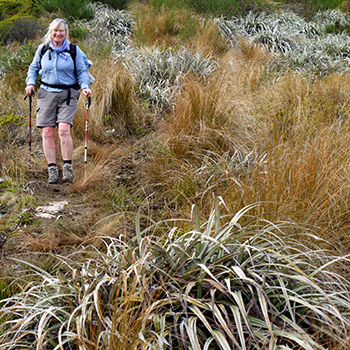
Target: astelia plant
point(232, 282)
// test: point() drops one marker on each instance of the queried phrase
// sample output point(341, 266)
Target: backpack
point(73, 52)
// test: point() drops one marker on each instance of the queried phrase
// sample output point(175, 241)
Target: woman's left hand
point(87, 92)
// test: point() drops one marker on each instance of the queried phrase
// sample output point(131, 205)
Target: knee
point(48, 133)
point(64, 131)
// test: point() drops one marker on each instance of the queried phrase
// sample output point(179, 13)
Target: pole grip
point(30, 97)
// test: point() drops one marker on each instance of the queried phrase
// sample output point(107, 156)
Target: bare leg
point(66, 141)
point(48, 136)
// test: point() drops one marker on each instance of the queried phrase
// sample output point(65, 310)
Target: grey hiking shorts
point(52, 107)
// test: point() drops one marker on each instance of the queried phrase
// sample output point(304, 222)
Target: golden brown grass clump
point(254, 136)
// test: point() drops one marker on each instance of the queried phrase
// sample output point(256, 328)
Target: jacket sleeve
point(34, 68)
point(82, 71)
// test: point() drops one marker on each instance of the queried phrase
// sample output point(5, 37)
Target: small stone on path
point(50, 210)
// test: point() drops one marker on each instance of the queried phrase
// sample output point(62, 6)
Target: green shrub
point(9, 125)
point(10, 119)
point(223, 7)
point(20, 28)
point(9, 8)
point(77, 9)
point(14, 65)
point(116, 4)
point(328, 4)
point(78, 32)
point(226, 8)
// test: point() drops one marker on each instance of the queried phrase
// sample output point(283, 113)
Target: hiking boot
point(53, 175)
point(68, 174)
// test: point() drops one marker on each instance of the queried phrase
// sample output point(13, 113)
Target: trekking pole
point(86, 128)
point(30, 121)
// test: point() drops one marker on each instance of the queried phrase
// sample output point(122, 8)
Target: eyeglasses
point(60, 19)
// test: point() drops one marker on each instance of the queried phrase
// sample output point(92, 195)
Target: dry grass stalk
point(208, 39)
point(113, 104)
point(88, 177)
point(51, 241)
point(305, 175)
point(131, 315)
point(98, 168)
point(197, 121)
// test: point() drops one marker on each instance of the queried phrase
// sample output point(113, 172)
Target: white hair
point(55, 24)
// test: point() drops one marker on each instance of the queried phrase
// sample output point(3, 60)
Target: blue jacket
point(58, 71)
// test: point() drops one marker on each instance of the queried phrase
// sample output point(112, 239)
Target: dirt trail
point(39, 217)
point(55, 220)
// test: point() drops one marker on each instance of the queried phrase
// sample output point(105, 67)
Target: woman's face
point(58, 35)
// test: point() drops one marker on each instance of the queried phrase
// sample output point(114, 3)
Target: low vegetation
point(212, 212)
point(213, 286)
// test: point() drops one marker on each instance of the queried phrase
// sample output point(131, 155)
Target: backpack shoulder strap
point(73, 50)
point(43, 50)
point(73, 53)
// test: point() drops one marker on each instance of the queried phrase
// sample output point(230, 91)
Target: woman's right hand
point(30, 90)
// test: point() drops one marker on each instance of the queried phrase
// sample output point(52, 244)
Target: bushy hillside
point(213, 210)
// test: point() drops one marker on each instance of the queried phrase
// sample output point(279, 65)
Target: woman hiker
point(62, 77)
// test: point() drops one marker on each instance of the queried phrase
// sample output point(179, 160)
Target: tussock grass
point(51, 241)
point(15, 165)
point(160, 73)
point(88, 177)
point(109, 28)
point(99, 103)
point(277, 139)
point(163, 26)
point(197, 122)
point(307, 148)
point(209, 39)
point(98, 167)
point(172, 26)
point(123, 111)
point(113, 105)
